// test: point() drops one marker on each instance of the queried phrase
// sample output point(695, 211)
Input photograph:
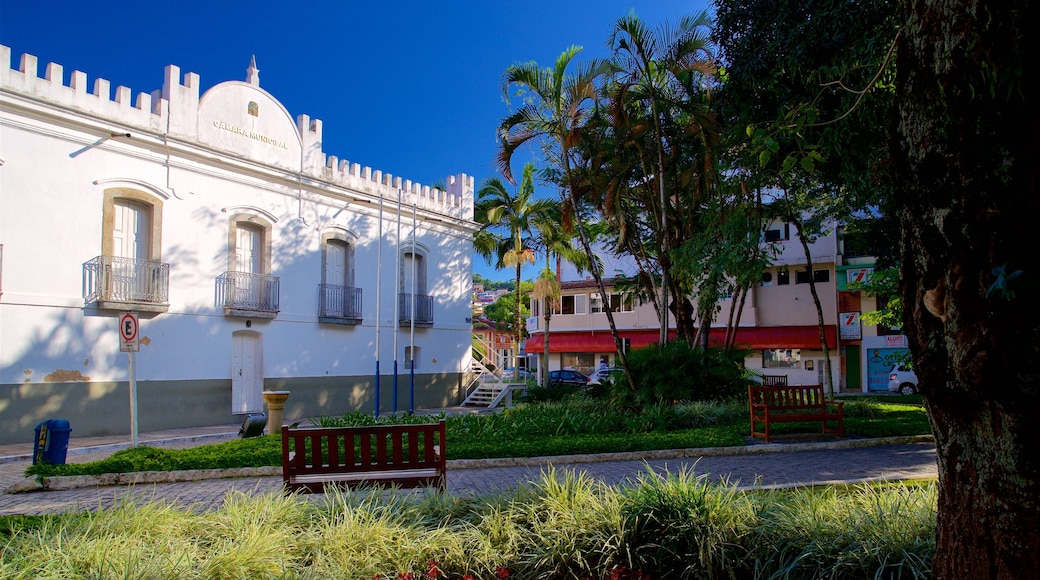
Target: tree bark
point(967, 160)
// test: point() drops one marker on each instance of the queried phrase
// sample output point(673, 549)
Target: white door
point(247, 372)
point(336, 277)
point(131, 230)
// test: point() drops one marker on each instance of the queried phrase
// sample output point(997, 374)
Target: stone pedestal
point(275, 409)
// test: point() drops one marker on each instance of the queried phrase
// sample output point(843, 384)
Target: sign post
point(129, 342)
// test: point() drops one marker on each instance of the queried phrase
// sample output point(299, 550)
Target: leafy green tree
point(502, 312)
point(808, 98)
point(498, 209)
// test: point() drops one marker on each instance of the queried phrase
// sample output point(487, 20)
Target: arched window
point(415, 305)
point(339, 299)
point(248, 288)
point(129, 273)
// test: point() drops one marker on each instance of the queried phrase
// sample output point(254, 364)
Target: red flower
point(404, 576)
point(432, 571)
point(468, 577)
point(501, 573)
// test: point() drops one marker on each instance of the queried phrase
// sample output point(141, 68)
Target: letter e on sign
point(129, 335)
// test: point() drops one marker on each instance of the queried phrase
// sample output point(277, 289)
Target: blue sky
point(410, 88)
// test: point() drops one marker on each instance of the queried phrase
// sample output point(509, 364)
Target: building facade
point(777, 324)
point(252, 259)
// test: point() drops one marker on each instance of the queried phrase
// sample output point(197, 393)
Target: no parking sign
point(129, 332)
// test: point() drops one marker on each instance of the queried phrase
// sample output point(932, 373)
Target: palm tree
point(656, 72)
point(497, 208)
point(554, 242)
point(556, 106)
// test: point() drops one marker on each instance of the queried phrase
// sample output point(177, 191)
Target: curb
point(66, 482)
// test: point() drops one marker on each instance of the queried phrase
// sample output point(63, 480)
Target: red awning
point(755, 338)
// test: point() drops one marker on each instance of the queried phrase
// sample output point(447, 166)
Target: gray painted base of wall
point(103, 408)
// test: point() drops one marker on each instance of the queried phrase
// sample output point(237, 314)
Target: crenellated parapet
point(143, 112)
point(174, 111)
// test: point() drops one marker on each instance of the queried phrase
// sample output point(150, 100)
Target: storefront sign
point(850, 328)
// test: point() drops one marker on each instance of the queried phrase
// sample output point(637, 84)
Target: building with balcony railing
point(214, 215)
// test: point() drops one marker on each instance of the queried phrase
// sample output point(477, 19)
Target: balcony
point(339, 304)
point(423, 309)
point(115, 283)
point(249, 295)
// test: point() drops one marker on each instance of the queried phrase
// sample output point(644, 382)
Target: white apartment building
point(253, 260)
point(778, 323)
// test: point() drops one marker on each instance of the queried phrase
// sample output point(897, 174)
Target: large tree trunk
point(967, 165)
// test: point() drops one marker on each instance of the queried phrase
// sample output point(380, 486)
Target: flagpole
point(397, 288)
point(379, 268)
point(411, 331)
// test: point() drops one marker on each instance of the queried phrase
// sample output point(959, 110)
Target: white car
point(510, 374)
point(902, 380)
point(598, 376)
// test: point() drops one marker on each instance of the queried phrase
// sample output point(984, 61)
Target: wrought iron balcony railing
point(126, 281)
point(339, 304)
point(423, 309)
point(248, 292)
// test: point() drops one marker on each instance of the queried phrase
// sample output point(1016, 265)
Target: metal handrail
point(116, 279)
point(248, 291)
point(423, 308)
point(335, 301)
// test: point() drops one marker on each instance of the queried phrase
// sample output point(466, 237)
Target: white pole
point(397, 287)
point(133, 400)
point(411, 329)
point(379, 269)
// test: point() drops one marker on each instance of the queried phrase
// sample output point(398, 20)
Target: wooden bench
point(349, 457)
point(774, 380)
point(790, 404)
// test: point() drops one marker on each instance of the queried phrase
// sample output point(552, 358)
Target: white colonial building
point(251, 258)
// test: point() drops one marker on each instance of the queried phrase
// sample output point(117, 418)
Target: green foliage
point(502, 312)
point(883, 284)
point(849, 532)
point(540, 394)
point(575, 425)
point(678, 372)
point(687, 526)
point(564, 524)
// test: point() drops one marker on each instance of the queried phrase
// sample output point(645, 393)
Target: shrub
point(678, 372)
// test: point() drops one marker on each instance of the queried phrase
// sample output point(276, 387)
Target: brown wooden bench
point(349, 457)
point(790, 404)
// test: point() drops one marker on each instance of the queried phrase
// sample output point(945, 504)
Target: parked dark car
point(572, 379)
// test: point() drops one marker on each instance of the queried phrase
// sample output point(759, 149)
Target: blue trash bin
point(51, 444)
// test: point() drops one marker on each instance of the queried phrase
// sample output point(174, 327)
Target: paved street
point(782, 464)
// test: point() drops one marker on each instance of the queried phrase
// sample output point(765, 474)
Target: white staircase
point(487, 388)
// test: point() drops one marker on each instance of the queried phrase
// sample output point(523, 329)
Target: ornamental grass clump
point(574, 527)
point(682, 525)
point(862, 531)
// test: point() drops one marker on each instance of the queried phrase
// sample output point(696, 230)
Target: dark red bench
point(787, 404)
point(348, 457)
